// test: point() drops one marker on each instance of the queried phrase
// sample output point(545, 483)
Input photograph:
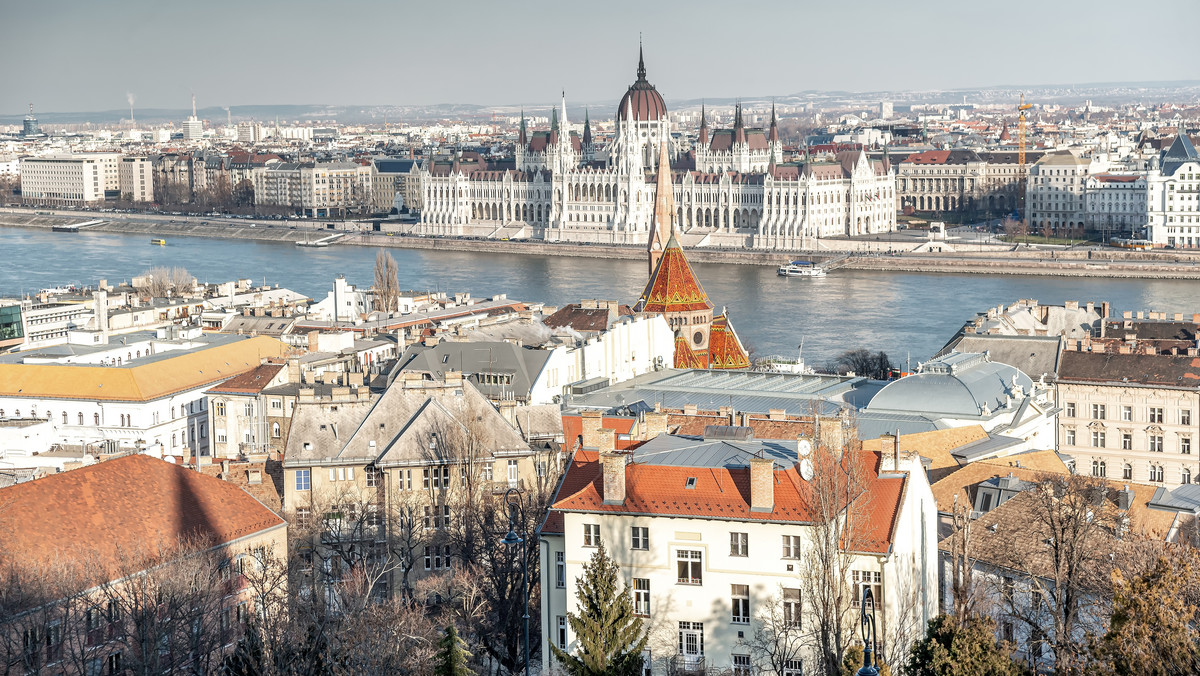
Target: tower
point(662, 227)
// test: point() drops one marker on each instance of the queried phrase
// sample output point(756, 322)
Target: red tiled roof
point(686, 357)
point(251, 382)
point(673, 287)
point(573, 429)
point(724, 349)
point(929, 157)
point(721, 493)
point(129, 511)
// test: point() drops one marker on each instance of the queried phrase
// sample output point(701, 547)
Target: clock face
point(804, 447)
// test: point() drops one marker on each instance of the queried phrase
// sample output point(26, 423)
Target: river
point(907, 315)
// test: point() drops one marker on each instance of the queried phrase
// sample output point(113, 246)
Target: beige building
point(391, 177)
point(314, 189)
point(136, 179)
point(81, 179)
point(387, 474)
point(1055, 193)
point(1130, 413)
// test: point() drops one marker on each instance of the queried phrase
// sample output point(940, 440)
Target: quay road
point(967, 250)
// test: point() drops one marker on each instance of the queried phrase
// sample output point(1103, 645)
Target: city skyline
point(275, 54)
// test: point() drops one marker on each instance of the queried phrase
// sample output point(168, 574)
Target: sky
point(85, 55)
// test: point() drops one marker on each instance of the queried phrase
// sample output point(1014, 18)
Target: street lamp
point(512, 498)
point(870, 665)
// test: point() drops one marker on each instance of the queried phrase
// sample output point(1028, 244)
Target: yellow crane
point(1021, 152)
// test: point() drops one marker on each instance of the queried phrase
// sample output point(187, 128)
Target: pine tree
point(609, 635)
point(949, 649)
point(451, 658)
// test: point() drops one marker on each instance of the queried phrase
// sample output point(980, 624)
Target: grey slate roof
point(476, 358)
point(1034, 355)
point(1181, 152)
point(692, 451)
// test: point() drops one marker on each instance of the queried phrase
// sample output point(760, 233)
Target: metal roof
point(691, 451)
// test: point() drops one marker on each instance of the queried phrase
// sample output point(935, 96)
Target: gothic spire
point(641, 73)
point(523, 137)
point(703, 127)
point(774, 135)
point(587, 128)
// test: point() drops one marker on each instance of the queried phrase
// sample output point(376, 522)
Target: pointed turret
point(641, 72)
point(703, 128)
point(566, 126)
point(739, 131)
point(553, 126)
point(587, 128)
point(663, 226)
point(774, 135)
point(523, 135)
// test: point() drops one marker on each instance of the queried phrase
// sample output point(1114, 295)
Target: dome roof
point(959, 384)
point(642, 99)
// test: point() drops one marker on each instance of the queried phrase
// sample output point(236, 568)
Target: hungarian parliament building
point(731, 186)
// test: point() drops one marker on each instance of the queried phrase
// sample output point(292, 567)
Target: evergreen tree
point(609, 635)
point(950, 648)
point(451, 658)
point(852, 661)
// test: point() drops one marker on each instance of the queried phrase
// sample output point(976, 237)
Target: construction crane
point(1021, 150)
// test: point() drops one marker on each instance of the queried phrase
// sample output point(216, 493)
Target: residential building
point(145, 394)
point(1055, 193)
point(1115, 206)
point(137, 179)
point(318, 189)
point(395, 177)
point(711, 533)
point(1174, 196)
point(120, 527)
point(239, 412)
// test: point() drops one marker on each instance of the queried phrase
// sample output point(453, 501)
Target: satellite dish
point(804, 446)
point(806, 469)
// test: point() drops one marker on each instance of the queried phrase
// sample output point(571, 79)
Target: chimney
point(355, 379)
point(1124, 498)
point(832, 437)
point(689, 409)
point(508, 409)
point(313, 338)
point(889, 453)
point(762, 484)
point(591, 421)
point(776, 414)
point(654, 423)
point(102, 312)
point(454, 378)
point(1104, 308)
point(613, 466)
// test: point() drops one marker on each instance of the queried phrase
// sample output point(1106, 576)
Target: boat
point(159, 242)
point(800, 269)
point(318, 243)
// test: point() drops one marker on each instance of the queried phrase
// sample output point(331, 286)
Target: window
point(1127, 441)
point(1155, 443)
point(1185, 445)
point(864, 579)
point(512, 473)
point(1127, 472)
point(741, 665)
point(791, 607)
point(739, 544)
point(591, 535)
point(691, 644)
point(1156, 414)
point(372, 476)
point(219, 408)
point(487, 471)
point(1098, 411)
point(1127, 413)
point(562, 632)
point(1097, 439)
point(1186, 476)
point(740, 597)
point(791, 546)
point(690, 564)
point(1185, 416)
point(303, 479)
point(1070, 409)
point(641, 596)
point(641, 537)
point(1069, 437)
point(112, 664)
point(248, 409)
point(560, 570)
point(303, 517)
point(793, 668)
point(1156, 473)
point(275, 431)
point(1098, 468)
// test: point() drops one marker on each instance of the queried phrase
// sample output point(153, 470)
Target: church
point(729, 187)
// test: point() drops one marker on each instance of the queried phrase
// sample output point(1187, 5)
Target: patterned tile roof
point(673, 287)
point(686, 357)
point(725, 351)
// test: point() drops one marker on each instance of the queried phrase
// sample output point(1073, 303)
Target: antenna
point(193, 105)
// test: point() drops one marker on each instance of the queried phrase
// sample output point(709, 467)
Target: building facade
point(731, 189)
point(70, 180)
point(1174, 211)
point(136, 179)
point(318, 189)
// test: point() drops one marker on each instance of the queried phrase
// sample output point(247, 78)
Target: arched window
point(174, 440)
point(81, 417)
point(275, 430)
point(96, 418)
point(64, 417)
point(1186, 477)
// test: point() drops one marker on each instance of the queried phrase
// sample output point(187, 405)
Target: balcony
point(687, 665)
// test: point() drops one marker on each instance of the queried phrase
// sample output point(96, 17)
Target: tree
point(1154, 620)
point(157, 281)
point(853, 661)
point(387, 285)
point(778, 638)
point(247, 658)
point(953, 647)
point(1015, 228)
point(863, 363)
point(610, 636)
point(451, 659)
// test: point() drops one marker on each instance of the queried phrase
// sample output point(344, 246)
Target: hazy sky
point(88, 55)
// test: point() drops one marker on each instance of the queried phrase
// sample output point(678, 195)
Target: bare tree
point(838, 506)
point(778, 639)
point(1015, 228)
point(387, 285)
point(159, 280)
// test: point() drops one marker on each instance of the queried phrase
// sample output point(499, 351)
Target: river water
point(907, 315)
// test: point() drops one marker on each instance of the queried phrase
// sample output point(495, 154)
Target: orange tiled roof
point(123, 514)
point(720, 493)
point(251, 382)
point(686, 357)
point(673, 287)
point(573, 429)
point(724, 349)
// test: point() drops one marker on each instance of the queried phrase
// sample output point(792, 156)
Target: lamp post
point(870, 665)
point(512, 498)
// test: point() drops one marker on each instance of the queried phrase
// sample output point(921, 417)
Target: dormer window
point(691, 482)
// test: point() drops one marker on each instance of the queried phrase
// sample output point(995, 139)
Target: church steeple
point(641, 72)
point(739, 130)
point(587, 128)
point(523, 136)
point(663, 226)
point(774, 135)
point(703, 128)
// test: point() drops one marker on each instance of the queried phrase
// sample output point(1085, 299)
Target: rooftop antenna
point(193, 106)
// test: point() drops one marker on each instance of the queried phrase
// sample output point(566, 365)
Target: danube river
point(907, 315)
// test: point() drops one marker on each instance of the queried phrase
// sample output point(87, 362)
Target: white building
point(136, 179)
point(1115, 204)
point(78, 179)
point(1055, 193)
point(1174, 218)
point(132, 395)
point(712, 533)
point(733, 191)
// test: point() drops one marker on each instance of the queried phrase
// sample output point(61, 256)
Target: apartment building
point(136, 179)
point(1055, 193)
point(123, 534)
point(387, 473)
point(711, 535)
point(71, 180)
point(1174, 196)
point(319, 189)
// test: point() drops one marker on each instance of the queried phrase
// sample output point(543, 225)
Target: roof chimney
point(1124, 498)
point(654, 423)
point(613, 466)
point(889, 453)
point(591, 421)
point(832, 437)
point(762, 484)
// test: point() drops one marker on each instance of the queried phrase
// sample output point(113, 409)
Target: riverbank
point(989, 259)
